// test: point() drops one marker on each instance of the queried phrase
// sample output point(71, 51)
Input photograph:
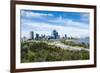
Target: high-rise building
point(31, 35)
point(65, 36)
point(37, 36)
point(55, 34)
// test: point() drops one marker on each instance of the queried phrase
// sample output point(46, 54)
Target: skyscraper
point(37, 36)
point(65, 36)
point(55, 34)
point(32, 35)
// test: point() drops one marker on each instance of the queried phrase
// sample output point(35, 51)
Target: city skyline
point(73, 24)
point(54, 35)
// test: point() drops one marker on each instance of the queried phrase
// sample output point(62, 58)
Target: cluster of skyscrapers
point(54, 35)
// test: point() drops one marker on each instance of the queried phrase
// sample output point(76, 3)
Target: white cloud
point(34, 14)
point(85, 17)
point(60, 19)
point(44, 28)
point(70, 22)
point(77, 24)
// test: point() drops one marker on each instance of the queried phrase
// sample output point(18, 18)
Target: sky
point(74, 24)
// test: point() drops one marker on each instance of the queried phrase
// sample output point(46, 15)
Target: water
point(82, 40)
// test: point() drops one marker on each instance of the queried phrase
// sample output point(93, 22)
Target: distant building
point(43, 37)
point(32, 35)
point(37, 36)
point(65, 36)
point(24, 39)
point(55, 34)
point(50, 37)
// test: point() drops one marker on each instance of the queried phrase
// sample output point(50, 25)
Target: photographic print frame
point(15, 31)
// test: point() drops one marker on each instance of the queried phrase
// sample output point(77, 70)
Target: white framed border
point(57, 63)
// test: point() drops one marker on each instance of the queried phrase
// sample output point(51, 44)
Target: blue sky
point(74, 24)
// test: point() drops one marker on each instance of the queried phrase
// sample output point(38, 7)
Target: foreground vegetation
point(41, 52)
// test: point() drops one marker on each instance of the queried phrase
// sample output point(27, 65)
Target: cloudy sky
point(75, 24)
